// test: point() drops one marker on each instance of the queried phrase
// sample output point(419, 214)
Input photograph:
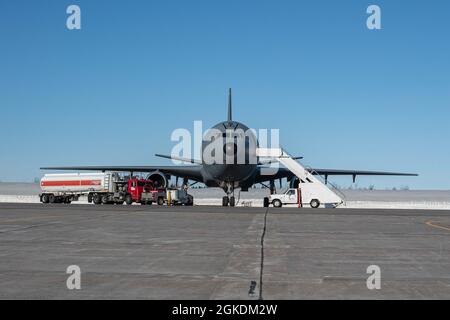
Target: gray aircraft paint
point(225, 175)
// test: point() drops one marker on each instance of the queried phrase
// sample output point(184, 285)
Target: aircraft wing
point(190, 172)
point(285, 173)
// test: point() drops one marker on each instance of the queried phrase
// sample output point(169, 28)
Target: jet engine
point(160, 180)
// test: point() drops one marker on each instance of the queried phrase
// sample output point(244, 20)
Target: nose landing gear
point(229, 199)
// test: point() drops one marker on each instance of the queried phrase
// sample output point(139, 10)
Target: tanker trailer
point(68, 187)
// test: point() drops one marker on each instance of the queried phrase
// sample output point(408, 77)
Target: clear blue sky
point(110, 94)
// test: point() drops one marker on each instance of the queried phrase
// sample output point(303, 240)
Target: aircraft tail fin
point(230, 116)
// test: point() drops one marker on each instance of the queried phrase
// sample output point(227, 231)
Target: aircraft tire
point(225, 201)
point(232, 201)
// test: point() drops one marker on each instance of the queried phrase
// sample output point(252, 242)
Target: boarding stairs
point(310, 181)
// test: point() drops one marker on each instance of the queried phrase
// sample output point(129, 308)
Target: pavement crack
point(261, 269)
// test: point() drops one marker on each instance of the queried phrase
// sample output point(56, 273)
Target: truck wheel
point(67, 200)
point(128, 199)
point(44, 198)
point(105, 199)
point(266, 202)
point(51, 198)
point(277, 203)
point(160, 201)
point(119, 203)
point(97, 199)
point(314, 203)
point(225, 201)
point(232, 201)
point(89, 198)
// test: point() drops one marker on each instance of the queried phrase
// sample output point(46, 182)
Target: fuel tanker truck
point(100, 188)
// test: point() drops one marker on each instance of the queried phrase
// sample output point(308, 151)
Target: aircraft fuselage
point(229, 155)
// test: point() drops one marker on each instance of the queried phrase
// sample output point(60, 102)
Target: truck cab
point(143, 191)
point(137, 186)
point(290, 196)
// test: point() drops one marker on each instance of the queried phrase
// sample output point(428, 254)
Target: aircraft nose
point(230, 149)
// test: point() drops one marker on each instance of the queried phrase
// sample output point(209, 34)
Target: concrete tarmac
point(151, 252)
